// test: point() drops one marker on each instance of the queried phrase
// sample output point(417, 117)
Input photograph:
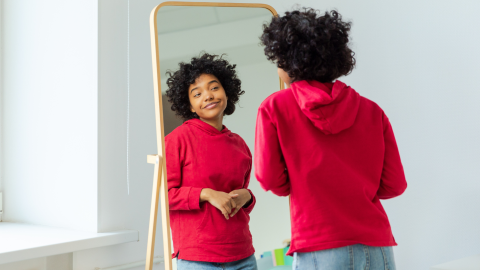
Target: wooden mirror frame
point(160, 188)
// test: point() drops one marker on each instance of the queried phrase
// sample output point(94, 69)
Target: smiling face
point(207, 98)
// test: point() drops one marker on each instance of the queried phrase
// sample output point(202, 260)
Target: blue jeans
point(249, 263)
point(346, 258)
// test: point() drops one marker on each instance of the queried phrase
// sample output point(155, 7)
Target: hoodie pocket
point(215, 229)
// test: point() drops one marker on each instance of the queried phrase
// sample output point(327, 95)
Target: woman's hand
point(240, 197)
point(221, 200)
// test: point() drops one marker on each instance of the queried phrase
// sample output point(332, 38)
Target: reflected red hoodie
point(334, 152)
point(199, 156)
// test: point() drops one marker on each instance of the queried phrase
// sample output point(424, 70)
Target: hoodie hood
point(207, 128)
point(330, 107)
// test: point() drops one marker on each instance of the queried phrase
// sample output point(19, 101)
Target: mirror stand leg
point(152, 226)
point(165, 212)
point(160, 190)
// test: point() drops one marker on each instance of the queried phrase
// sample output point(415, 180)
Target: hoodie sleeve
point(249, 206)
point(179, 197)
point(270, 167)
point(392, 183)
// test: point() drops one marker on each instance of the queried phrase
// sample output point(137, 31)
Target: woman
point(332, 150)
point(208, 169)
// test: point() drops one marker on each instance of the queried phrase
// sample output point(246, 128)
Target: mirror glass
point(183, 33)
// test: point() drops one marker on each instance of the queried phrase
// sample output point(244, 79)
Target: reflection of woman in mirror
point(208, 169)
point(332, 150)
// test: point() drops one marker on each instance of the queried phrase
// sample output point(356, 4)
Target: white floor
point(469, 263)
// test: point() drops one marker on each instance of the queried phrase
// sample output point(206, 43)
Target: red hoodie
point(199, 156)
point(334, 152)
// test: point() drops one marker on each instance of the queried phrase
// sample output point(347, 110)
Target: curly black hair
point(308, 46)
point(180, 80)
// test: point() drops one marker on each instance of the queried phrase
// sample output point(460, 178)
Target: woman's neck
point(216, 123)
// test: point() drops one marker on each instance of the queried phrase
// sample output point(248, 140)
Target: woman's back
point(335, 153)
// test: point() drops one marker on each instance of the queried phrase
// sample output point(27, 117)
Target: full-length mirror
point(232, 33)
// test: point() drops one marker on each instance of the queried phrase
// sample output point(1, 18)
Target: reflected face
point(207, 97)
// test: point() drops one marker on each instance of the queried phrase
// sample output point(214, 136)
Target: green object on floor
point(279, 254)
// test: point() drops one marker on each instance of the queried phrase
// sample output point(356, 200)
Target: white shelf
point(469, 263)
point(24, 241)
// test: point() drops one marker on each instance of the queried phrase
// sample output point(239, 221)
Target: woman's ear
point(284, 76)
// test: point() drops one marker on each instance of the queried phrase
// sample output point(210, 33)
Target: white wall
point(49, 113)
point(1, 96)
point(117, 208)
point(416, 59)
point(57, 262)
point(31, 264)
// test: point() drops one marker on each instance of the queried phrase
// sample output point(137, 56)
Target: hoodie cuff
point(194, 198)
point(249, 206)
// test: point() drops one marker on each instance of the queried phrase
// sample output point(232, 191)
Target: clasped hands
point(226, 202)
